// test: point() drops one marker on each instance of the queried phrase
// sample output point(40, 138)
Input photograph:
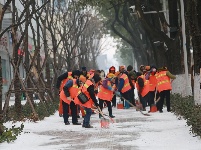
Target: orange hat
point(91, 71)
point(117, 73)
point(112, 68)
point(82, 78)
point(122, 67)
point(147, 68)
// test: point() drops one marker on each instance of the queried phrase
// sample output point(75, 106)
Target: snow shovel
point(104, 122)
point(145, 114)
point(153, 107)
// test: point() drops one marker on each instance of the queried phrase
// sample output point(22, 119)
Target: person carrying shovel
point(105, 94)
point(86, 97)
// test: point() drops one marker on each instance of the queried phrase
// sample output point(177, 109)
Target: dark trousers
point(87, 116)
point(144, 100)
point(73, 108)
point(108, 105)
point(114, 101)
point(151, 98)
point(164, 94)
point(132, 96)
point(127, 96)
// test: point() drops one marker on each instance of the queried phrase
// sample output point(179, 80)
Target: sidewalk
point(131, 131)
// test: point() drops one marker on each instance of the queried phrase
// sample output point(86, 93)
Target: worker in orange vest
point(124, 87)
point(150, 75)
point(61, 80)
point(132, 77)
point(112, 70)
point(142, 86)
point(86, 97)
point(105, 94)
point(84, 71)
point(67, 95)
point(164, 87)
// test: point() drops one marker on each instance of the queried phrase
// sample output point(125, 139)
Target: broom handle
point(134, 106)
point(100, 112)
point(155, 92)
point(96, 111)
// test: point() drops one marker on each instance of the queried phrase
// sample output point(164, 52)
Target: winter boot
point(88, 126)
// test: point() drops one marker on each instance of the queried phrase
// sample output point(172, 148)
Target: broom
point(145, 114)
point(100, 112)
point(153, 106)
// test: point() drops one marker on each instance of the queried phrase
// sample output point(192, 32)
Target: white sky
point(110, 50)
point(131, 130)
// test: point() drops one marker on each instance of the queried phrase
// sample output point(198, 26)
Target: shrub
point(43, 109)
point(185, 107)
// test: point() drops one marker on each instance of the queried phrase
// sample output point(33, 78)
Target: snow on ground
point(131, 131)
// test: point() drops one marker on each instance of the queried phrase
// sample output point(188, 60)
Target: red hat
point(112, 68)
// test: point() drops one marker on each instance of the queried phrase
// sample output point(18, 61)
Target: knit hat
point(147, 68)
point(76, 73)
point(84, 69)
point(112, 68)
point(96, 78)
point(129, 68)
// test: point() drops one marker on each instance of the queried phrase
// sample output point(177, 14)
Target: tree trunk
point(194, 24)
point(1, 84)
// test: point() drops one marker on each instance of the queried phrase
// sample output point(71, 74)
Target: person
point(129, 68)
point(163, 77)
point(102, 74)
point(124, 87)
point(84, 72)
point(67, 95)
point(112, 70)
point(97, 72)
point(150, 75)
point(105, 94)
point(142, 86)
point(87, 90)
point(61, 80)
point(122, 69)
point(142, 69)
point(132, 77)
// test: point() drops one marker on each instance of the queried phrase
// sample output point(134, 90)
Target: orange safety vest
point(83, 89)
point(163, 81)
point(64, 98)
point(104, 93)
point(63, 82)
point(74, 89)
point(126, 86)
point(152, 82)
point(145, 89)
